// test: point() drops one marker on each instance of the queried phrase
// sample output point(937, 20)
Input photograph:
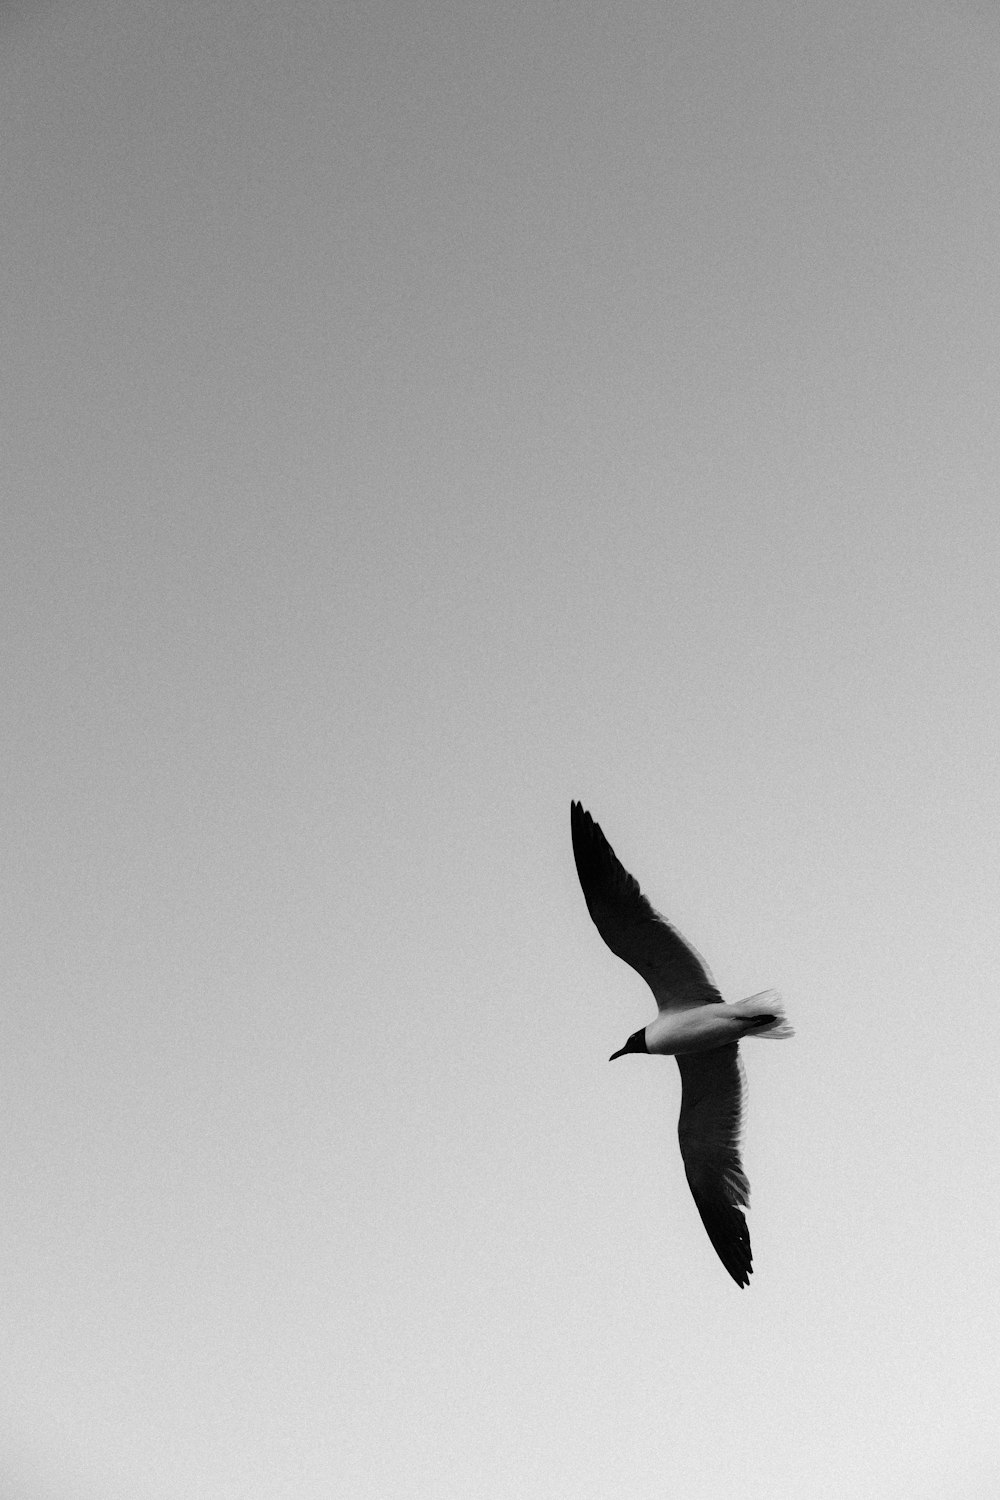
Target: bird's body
point(695, 1025)
point(700, 1028)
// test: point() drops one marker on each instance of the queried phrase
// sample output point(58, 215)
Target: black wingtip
point(730, 1237)
point(597, 864)
point(586, 832)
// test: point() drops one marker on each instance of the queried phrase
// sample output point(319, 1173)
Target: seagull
point(696, 1025)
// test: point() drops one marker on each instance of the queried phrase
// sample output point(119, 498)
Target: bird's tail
point(766, 1015)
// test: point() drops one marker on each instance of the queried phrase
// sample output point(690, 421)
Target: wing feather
point(674, 971)
point(709, 1132)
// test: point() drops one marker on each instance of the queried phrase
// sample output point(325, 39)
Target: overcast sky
point(417, 415)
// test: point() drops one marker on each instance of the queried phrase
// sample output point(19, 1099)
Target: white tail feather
point(767, 1003)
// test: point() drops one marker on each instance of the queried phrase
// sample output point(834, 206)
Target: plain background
point(417, 415)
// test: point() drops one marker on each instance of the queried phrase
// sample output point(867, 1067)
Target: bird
point(694, 1024)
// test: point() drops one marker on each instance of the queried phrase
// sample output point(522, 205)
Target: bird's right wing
point(709, 1133)
point(675, 973)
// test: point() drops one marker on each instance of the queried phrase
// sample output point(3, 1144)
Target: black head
point(635, 1043)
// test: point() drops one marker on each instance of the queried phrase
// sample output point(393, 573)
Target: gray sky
point(417, 416)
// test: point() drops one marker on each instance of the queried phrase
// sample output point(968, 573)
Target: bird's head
point(635, 1043)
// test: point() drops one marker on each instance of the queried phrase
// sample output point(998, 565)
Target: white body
point(699, 1028)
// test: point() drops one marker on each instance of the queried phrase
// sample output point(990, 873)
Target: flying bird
point(694, 1024)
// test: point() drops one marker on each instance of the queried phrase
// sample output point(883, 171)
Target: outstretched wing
point(709, 1133)
point(675, 973)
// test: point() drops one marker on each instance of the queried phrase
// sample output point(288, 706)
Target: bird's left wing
point(709, 1133)
point(674, 971)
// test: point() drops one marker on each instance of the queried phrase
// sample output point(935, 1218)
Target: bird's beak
point(620, 1053)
